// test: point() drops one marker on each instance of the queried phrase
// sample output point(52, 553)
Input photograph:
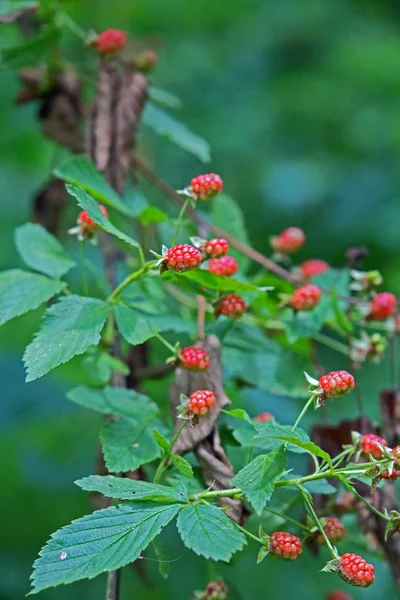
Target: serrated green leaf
point(222, 206)
point(32, 51)
point(152, 214)
point(209, 532)
point(173, 323)
point(70, 327)
point(42, 251)
point(166, 125)
point(182, 465)
point(307, 446)
point(133, 326)
point(80, 171)
point(103, 541)
point(161, 440)
point(268, 434)
point(319, 486)
point(257, 479)
point(262, 553)
point(124, 488)
point(113, 401)
point(218, 282)
point(89, 204)
point(21, 292)
point(239, 413)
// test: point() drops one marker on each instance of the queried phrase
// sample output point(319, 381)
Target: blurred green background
point(300, 103)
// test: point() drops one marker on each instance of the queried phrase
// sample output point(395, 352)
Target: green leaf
point(207, 531)
point(222, 206)
point(173, 323)
point(257, 479)
point(319, 486)
point(70, 327)
point(42, 251)
point(218, 282)
point(89, 204)
point(80, 171)
point(161, 441)
point(152, 214)
point(133, 326)
point(103, 541)
point(239, 413)
point(268, 437)
point(31, 51)
point(166, 125)
point(21, 292)
point(112, 401)
point(123, 488)
point(182, 465)
point(164, 97)
point(308, 446)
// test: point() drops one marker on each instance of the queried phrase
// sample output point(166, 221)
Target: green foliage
point(218, 282)
point(182, 465)
point(103, 541)
point(41, 251)
point(308, 446)
point(70, 327)
point(130, 489)
point(257, 479)
point(31, 51)
point(133, 326)
point(110, 400)
point(21, 292)
point(222, 206)
point(207, 531)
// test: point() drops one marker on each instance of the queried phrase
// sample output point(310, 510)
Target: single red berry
point(183, 257)
point(86, 222)
point(289, 241)
point(396, 454)
point(336, 383)
point(356, 571)
point(383, 306)
point(231, 305)
point(194, 359)
point(284, 545)
point(201, 402)
point(345, 503)
point(110, 41)
point(314, 266)
point(368, 445)
point(306, 297)
point(226, 266)
point(206, 186)
point(339, 595)
point(216, 247)
point(393, 476)
point(216, 590)
point(263, 417)
point(334, 530)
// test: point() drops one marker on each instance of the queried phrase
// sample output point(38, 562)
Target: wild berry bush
point(189, 283)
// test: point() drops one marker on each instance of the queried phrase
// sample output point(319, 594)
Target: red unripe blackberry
point(336, 383)
point(356, 571)
point(182, 257)
point(206, 186)
point(394, 475)
point(383, 306)
point(368, 445)
point(201, 402)
point(314, 266)
point(289, 241)
point(225, 266)
point(263, 417)
point(231, 306)
point(194, 359)
point(110, 41)
point(334, 530)
point(86, 222)
point(284, 545)
point(216, 247)
point(215, 590)
point(339, 595)
point(306, 297)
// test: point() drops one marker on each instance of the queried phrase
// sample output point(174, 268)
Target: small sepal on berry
point(393, 525)
point(262, 553)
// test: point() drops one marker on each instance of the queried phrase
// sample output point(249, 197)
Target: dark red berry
point(306, 297)
point(206, 186)
point(226, 266)
point(194, 359)
point(215, 590)
point(231, 306)
point(111, 41)
point(336, 383)
point(182, 257)
point(339, 595)
point(201, 402)
point(216, 247)
point(314, 266)
point(334, 530)
point(289, 241)
point(395, 474)
point(383, 306)
point(86, 222)
point(263, 417)
point(368, 445)
point(356, 571)
point(284, 545)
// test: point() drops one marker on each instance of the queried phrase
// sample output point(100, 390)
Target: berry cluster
point(194, 359)
point(306, 297)
point(200, 402)
point(383, 306)
point(289, 241)
point(395, 474)
point(369, 445)
point(225, 266)
point(206, 186)
point(231, 306)
point(336, 384)
point(111, 41)
point(334, 531)
point(284, 545)
point(215, 248)
point(314, 266)
point(356, 571)
point(182, 257)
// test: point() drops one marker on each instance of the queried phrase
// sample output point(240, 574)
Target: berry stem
point(317, 522)
point(163, 463)
point(250, 535)
point(82, 248)
point(285, 518)
point(180, 217)
point(370, 506)
point(303, 412)
point(132, 277)
point(331, 343)
point(64, 19)
point(165, 343)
